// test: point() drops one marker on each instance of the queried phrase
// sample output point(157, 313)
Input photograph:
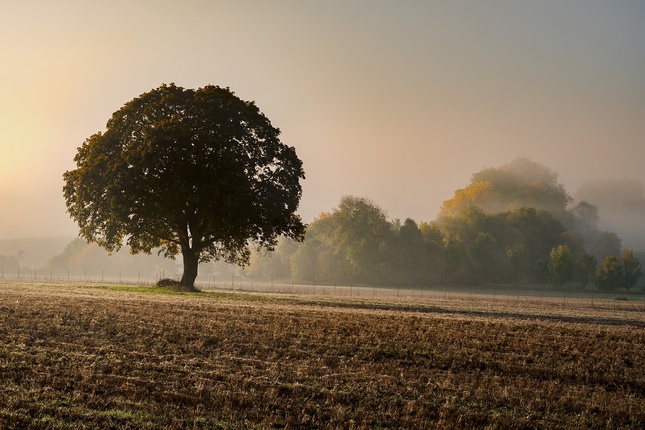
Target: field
point(77, 356)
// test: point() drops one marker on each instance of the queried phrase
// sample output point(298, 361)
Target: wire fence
point(82, 276)
point(624, 300)
point(545, 296)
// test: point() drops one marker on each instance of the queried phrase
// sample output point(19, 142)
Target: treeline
point(515, 224)
point(512, 225)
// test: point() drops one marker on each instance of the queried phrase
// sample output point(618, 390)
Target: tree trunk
point(191, 263)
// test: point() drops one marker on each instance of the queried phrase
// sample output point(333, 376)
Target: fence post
point(564, 299)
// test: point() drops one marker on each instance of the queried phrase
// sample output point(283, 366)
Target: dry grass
point(115, 357)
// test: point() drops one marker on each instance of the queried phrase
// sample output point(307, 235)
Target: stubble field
point(74, 356)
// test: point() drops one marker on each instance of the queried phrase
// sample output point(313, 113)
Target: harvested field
point(74, 356)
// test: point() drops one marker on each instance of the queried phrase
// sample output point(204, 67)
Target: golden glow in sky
point(399, 102)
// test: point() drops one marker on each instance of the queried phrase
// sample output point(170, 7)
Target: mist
point(396, 103)
point(621, 208)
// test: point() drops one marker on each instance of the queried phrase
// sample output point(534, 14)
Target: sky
point(399, 102)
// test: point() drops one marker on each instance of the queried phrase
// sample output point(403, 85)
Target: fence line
point(545, 297)
point(519, 296)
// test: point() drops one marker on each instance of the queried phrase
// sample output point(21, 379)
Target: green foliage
point(632, 269)
point(317, 259)
point(511, 225)
point(485, 257)
point(197, 172)
point(357, 244)
point(412, 254)
point(539, 230)
point(586, 218)
point(361, 235)
point(584, 269)
point(521, 183)
point(349, 244)
point(560, 265)
point(518, 263)
point(273, 265)
point(623, 272)
point(610, 274)
point(498, 247)
point(607, 244)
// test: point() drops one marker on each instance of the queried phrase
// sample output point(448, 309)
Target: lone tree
point(197, 172)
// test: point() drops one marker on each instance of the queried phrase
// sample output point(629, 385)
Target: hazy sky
point(397, 101)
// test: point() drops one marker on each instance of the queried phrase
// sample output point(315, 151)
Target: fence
point(87, 276)
point(541, 297)
point(237, 283)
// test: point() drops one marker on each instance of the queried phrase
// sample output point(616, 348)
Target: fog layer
point(397, 102)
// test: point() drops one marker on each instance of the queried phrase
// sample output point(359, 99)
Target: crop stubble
point(75, 356)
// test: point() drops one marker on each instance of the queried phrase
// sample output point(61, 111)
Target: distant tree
point(433, 243)
point(409, 255)
point(538, 229)
point(9, 264)
point(574, 242)
point(522, 183)
point(316, 259)
point(362, 234)
point(585, 269)
point(464, 227)
point(431, 234)
point(632, 269)
point(273, 265)
point(560, 265)
point(63, 261)
point(607, 244)
point(518, 263)
point(610, 274)
point(453, 264)
point(586, 218)
point(505, 246)
point(542, 274)
point(199, 173)
point(484, 258)
point(622, 205)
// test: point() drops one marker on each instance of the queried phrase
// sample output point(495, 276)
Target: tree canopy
point(357, 244)
point(197, 172)
point(518, 184)
point(512, 224)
